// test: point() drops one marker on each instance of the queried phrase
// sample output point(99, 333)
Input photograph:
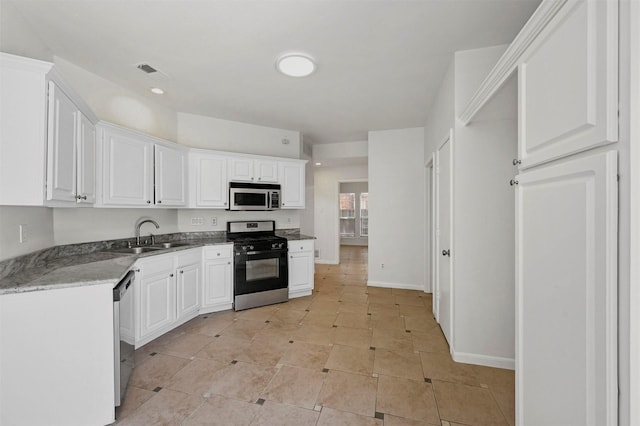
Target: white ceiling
point(379, 62)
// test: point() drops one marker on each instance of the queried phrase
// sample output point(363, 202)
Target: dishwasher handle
point(121, 288)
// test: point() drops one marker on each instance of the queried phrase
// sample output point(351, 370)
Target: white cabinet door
point(170, 176)
point(568, 84)
point(208, 182)
point(566, 294)
point(241, 169)
point(301, 269)
point(292, 181)
point(266, 170)
point(188, 290)
point(86, 160)
point(61, 146)
point(218, 283)
point(128, 170)
point(157, 302)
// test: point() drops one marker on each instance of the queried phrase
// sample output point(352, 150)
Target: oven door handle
point(251, 253)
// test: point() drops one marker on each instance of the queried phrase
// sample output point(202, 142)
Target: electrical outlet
point(23, 233)
point(288, 220)
point(197, 221)
point(382, 265)
point(214, 221)
point(317, 253)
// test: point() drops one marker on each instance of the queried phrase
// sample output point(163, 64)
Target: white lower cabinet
point(301, 268)
point(217, 287)
point(188, 282)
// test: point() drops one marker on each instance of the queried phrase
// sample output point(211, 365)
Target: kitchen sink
point(135, 250)
point(169, 245)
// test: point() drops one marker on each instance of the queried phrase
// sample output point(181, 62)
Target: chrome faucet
point(140, 225)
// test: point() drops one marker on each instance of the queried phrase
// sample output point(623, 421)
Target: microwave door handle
point(268, 199)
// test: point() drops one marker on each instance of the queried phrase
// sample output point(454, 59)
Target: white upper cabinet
point(568, 84)
point(61, 146)
point(250, 169)
point(170, 176)
point(292, 182)
point(127, 175)
point(71, 141)
point(208, 180)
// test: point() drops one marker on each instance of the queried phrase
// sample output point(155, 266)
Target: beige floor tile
point(312, 333)
point(421, 323)
point(379, 291)
point(133, 398)
point(198, 376)
point(506, 400)
point(410, 399)
point(167, 407)
point(298, 304)
point(277, 331)
point(415, 311)
point(501, 383)
point(331, 417)
point(264, 352)
point(329, 306)
point(390, 420)
point(295, 386)
point(262, 313)
point(156, 371)
point(353, 320)
point(467, 404)
point(209, 325)
point(398, 364)
point(384, 309)
point(349, 392)
point(272, 413)
point(306, 355)
point(440, 366)
point(387, 321)
point(351, 360)
point(244, 329)
point(356, 337)
point(353, 307)
point(319, 317)
point(186, 345)
point(224, 348)
point(430, 341)
point(411, 300)
point(244, 381)
point(381, 299)
point(288, 316)
point(218, 410)
point(396, 340)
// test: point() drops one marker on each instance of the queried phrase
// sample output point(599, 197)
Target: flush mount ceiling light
point(157, 90)
point(295, 65)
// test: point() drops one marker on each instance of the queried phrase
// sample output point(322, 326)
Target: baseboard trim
point(486, 360)
point(395, 285)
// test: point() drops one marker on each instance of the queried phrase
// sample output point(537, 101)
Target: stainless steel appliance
point(260, 264)
point(123, 351)
point(254, 196)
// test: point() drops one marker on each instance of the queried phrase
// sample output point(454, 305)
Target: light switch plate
point(23, 233)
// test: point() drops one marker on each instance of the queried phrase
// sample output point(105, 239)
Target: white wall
point(440, 117)
point(396, 208)
point(198, 131)
point(39, 221)
point(326, 195)
point(340, 150)
point(81, 225)
point(285, 219)
point(16, 36)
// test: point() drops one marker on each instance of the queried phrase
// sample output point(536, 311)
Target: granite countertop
point(94, 263)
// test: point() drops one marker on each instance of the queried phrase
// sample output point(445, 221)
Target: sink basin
point(135, 250)
point(169, 245)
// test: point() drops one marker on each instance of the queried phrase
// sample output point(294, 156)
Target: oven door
point(248, 199)
point(257, 271)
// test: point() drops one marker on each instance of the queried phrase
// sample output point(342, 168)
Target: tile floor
point(347, 355)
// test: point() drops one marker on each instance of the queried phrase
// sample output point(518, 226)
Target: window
point(364, 214)
point(348, 214)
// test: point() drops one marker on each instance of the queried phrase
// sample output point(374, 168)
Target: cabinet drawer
point(218, 252)
point(155, 264)
point(300, 246)
point(188, 257)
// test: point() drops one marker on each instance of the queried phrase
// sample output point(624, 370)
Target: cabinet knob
point(171, 275)
point(516, 162)
point(446, 252)
point(225, 203)
point(259, 178)
point(513, 182)
point(228, 263)
point(138, 270)
point(81, 197)
point(159, 201)
point(217, 254)
point(182, 272)
point(251, 178)
point(148, 201)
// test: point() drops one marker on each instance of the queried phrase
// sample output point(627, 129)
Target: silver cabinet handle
point(81, 197)
point(446, 252)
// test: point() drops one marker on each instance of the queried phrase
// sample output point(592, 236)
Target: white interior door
point(443, 297)
point(566, 293)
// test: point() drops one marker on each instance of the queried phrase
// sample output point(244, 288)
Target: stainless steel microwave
point(253, 196)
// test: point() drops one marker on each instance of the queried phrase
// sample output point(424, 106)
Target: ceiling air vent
point(147, 68)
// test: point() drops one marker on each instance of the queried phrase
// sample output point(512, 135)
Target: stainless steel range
point(260, 264)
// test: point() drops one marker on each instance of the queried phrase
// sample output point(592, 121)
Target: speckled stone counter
point(95, 262)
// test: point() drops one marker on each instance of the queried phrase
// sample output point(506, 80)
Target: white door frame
point(634, 282)
point(429, 240)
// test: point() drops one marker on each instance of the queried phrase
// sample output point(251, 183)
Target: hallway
point(348, 355)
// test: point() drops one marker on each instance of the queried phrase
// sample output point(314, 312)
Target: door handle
point(446, 252)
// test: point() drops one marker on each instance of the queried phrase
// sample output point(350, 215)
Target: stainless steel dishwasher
point(123, 351)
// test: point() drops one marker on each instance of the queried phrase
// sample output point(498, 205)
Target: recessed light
point(157, 90)
point(295, 65)
point(318, 164)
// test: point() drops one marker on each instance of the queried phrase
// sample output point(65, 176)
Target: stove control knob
point(244, 248)
point(274, 245)
point(250, 247)
point(280, 245)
